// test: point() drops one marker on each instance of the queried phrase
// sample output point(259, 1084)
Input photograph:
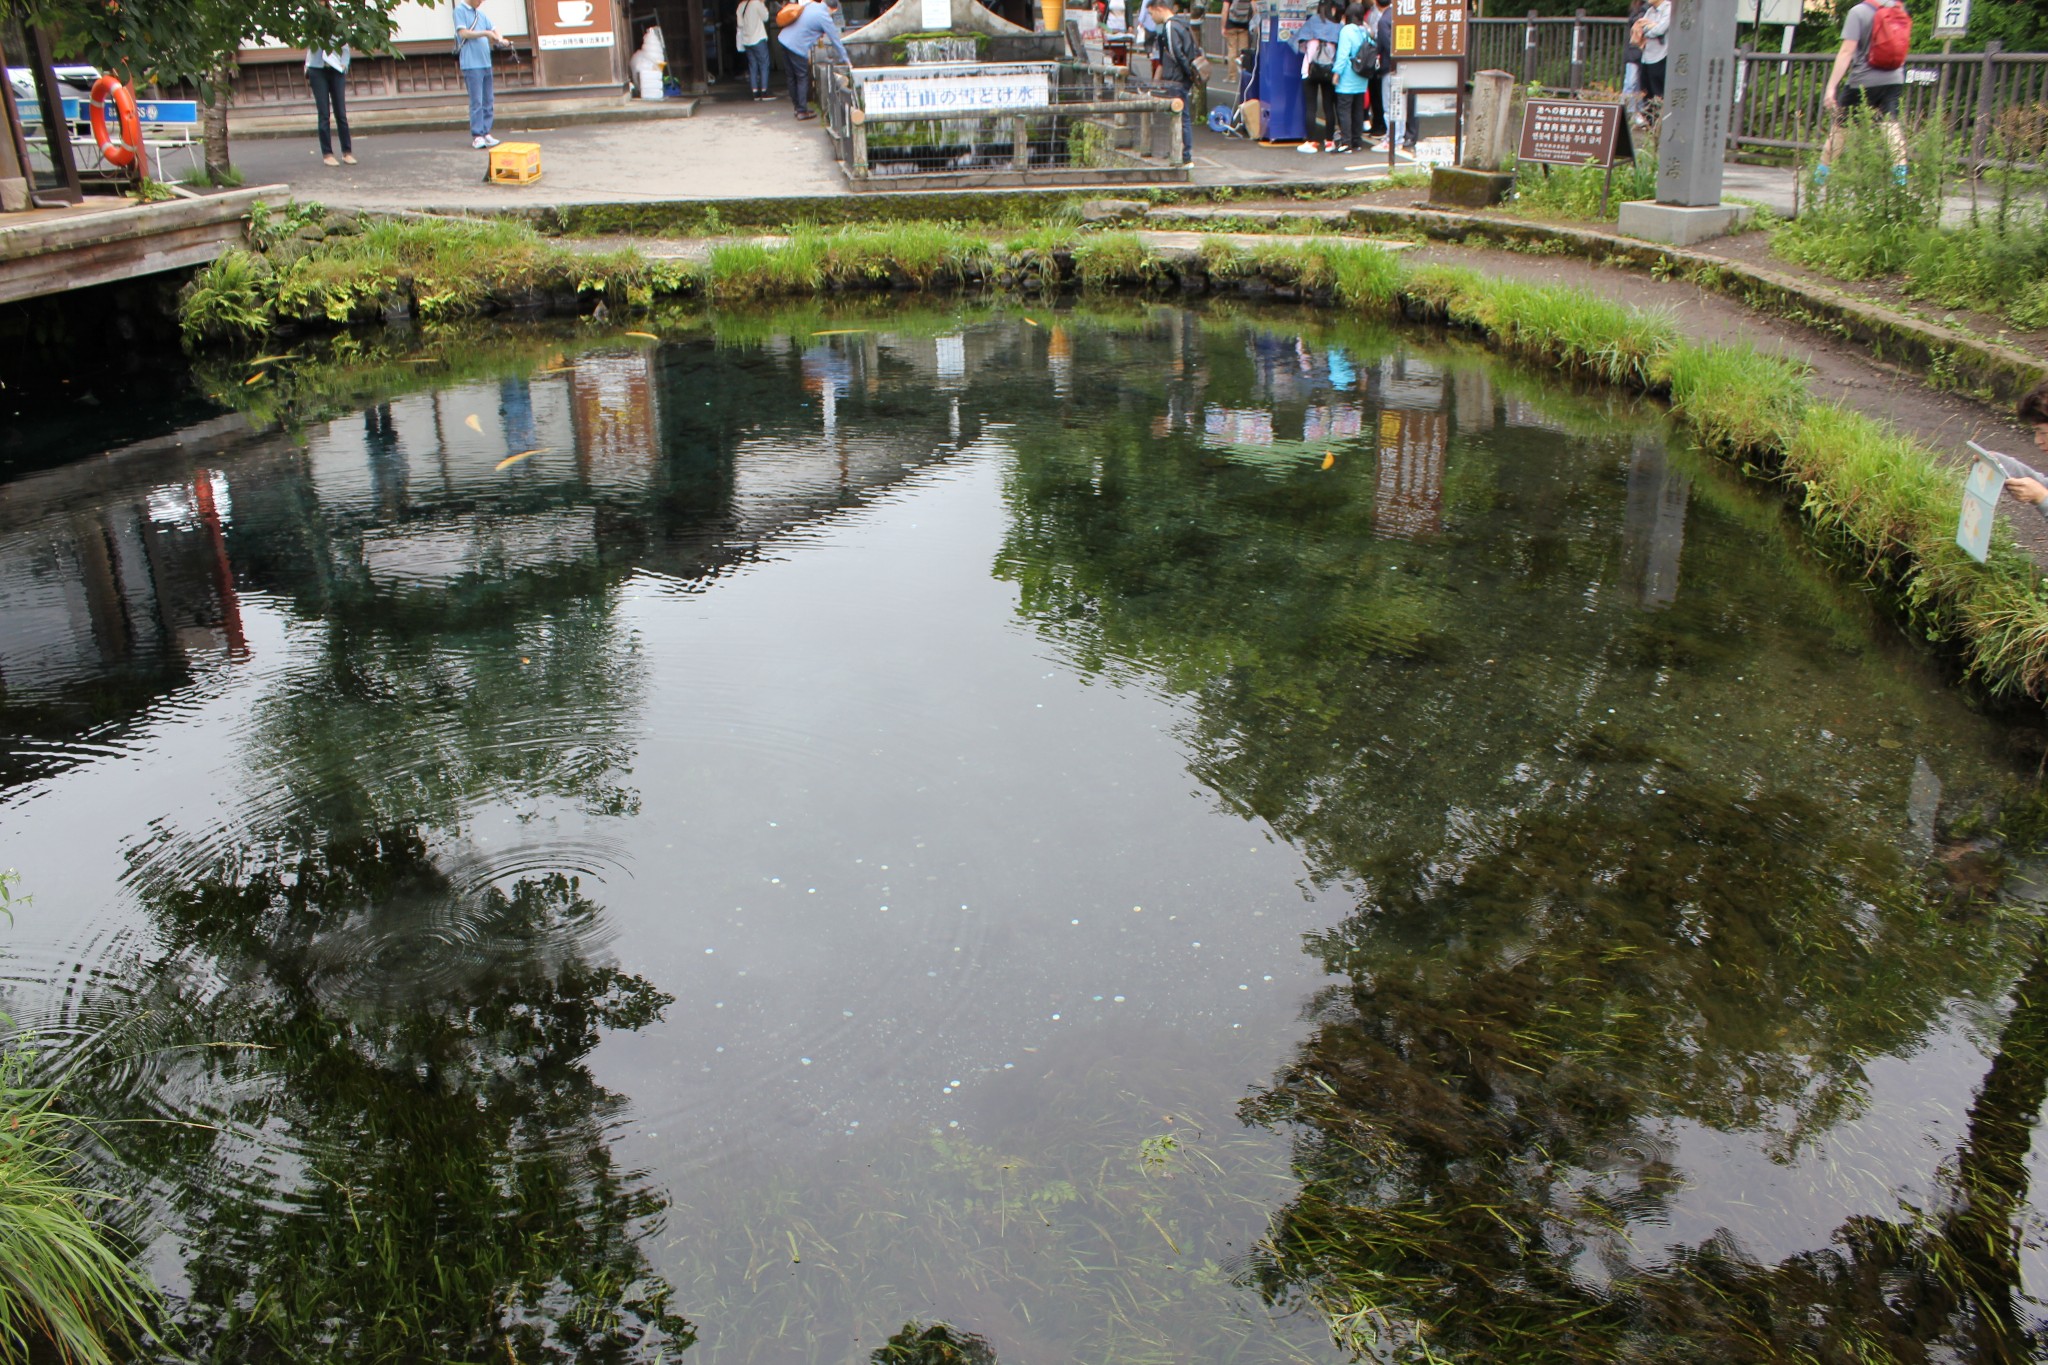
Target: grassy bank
point(1880, 502)
point(1866, 222)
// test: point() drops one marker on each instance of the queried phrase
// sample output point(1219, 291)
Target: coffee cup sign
point(576, 32)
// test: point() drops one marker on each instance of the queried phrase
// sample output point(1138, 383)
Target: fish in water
point(473, 422)
point(511, 460)
point(1329, 458)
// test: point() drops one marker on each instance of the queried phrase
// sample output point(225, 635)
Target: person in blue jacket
point(1352, 85)
point(798, 38)
point(1317, 41)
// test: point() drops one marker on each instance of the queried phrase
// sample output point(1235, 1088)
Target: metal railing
point(1998, 99)
point(1094, 125)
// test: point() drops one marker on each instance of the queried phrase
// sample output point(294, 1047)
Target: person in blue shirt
point(798, 38)
point(475, 35)
point(1352, 87)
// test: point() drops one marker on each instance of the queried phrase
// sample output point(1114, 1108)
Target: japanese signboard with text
point(1429, 28)
point(1573, 133)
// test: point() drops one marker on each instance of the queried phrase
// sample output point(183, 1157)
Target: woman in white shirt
point(752, 23)
point(1650, 30)
point(327, 72)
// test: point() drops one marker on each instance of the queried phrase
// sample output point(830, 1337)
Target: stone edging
point(1946, 357)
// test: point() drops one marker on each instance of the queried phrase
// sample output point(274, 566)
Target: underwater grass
point(66, 1291)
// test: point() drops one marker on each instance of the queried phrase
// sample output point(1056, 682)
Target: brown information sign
point(1573, 133)
point(1429, 28)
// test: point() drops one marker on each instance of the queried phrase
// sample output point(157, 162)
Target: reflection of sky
point(904, 871)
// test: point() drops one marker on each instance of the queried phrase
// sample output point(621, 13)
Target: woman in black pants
point(328, 74)
point(1317, 39)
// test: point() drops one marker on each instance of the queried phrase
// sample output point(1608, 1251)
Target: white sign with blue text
point(956, 94)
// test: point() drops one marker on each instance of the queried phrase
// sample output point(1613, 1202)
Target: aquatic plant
point(66, 1286)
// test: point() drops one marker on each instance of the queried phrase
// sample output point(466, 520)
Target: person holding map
point(2034, 412)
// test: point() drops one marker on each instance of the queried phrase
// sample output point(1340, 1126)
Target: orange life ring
point(121, 151)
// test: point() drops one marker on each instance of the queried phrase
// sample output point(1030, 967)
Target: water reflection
point(576, 840)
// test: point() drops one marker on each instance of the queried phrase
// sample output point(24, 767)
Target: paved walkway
point(731, 149)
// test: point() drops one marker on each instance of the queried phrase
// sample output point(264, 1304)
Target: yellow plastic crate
point(515, 163)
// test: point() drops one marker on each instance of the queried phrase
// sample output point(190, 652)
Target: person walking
point(1650, 31)
point(475, 36)
point(1238, 18)
point(327, 73)
point(1317, 39)
point(751, 23)
point(1632, 62)
point(798, 38)
point(1876, 36)
point(1382, 24)
point(1179, 71)
point(1354, 57)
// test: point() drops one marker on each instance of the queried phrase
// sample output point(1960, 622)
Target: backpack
point(1891, 37)
point(1362, 63)
point(1196, 68)
point(1238, 14)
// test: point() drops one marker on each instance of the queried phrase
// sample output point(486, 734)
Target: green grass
point(1573, 192)
point(66, 1290)
point(1866, 223)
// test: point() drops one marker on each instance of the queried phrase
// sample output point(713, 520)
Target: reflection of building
point(120, 577)
point(1653, 525)
point(1408, 501)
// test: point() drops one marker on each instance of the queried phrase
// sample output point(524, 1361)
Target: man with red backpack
point(1876, 36)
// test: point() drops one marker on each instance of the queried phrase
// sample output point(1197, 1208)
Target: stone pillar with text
point(1692, 131)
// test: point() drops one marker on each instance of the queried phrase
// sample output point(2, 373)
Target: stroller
point(1233, 122)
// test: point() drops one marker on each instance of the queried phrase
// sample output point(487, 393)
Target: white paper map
point(1980, 498)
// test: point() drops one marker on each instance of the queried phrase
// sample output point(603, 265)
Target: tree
point(193, 42)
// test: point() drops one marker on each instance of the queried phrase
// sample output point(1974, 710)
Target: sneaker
point(478, 143)
point(1309, 148)
point(490, 141)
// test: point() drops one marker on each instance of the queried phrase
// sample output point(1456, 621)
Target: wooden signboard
point(1429, 28)
point(1575, 133)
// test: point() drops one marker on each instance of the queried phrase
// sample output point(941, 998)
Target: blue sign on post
point(149, 111)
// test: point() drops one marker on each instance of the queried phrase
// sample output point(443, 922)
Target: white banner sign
point(556, 42)
point(1951, 18)
point(956, 94)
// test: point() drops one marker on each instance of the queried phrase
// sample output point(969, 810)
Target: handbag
point(789, 13)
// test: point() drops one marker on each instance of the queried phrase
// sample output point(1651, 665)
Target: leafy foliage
point(170, 41)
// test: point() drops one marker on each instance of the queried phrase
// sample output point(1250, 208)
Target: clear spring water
point(1147, 836)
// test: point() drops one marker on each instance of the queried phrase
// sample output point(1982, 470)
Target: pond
point(1144, 835)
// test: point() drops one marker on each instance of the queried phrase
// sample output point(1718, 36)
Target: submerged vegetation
point(67, 1288)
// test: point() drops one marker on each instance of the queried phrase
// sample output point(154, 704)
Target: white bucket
point(650, 85)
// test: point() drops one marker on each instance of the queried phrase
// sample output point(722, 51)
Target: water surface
point(1153, 836)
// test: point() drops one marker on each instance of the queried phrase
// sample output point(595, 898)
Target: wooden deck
point(52, 250)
